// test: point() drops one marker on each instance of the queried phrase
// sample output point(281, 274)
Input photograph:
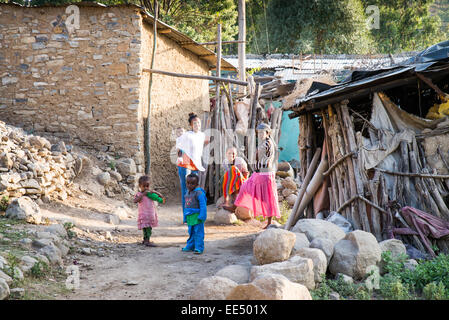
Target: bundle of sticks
point(224, 110)
point(363, 196)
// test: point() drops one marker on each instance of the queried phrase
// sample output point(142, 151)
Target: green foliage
point(4, 203)
point(393, 266)
point(112, 165)
point(391, 288)
point(296, 26)
point(39, 269)
point(433, 291)
point(406, 25)
point(285, 211)
point(435, 270)
point(68, 227)
point(343, 288)
point(362, 293)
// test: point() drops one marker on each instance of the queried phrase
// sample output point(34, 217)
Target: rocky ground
point(112, 263)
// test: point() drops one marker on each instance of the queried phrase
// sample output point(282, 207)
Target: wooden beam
point(196, 76)
point(165, 31)
point(432, 85)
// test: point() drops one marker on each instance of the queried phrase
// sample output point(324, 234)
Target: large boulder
point(300, 242)
point(270, 287)
point(353, 254)
point(296, 269)
point(4, 289)
point(57, 229)
point(26, 263)
point(213, 288)
point(340, 221)
point(273, 245)
point(126, 166)
point(53, 253)
point(325, 245)
point(278, 287)
point(247, 291)
point(235, 272)
point(24, 208)
point(319, 261)
point(395, 246)
point(243, 213)
point(316, 228)
point(5, 277)
point(223, 216)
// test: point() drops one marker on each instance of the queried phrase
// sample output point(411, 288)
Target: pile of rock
point(30, 165)
point(287, 264)
point(48, 246)
point(288, 189)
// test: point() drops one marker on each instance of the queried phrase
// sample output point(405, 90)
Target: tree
point(311, 26)
point(406, 25)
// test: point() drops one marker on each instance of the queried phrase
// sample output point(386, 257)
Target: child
point(195, 214)
point(147, 218)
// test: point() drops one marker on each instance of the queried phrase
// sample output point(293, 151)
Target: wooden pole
point(217, 114)
point(196, 76)
point(242, 44)
point(147, 135)
point(310, 171)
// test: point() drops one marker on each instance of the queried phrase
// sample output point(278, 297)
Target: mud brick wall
point(87, 86)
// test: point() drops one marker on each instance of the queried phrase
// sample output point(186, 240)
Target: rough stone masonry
point(86, 85)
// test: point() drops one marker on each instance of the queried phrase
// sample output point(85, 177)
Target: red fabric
point(425, 224)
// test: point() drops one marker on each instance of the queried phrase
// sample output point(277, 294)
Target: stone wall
point(87, 87)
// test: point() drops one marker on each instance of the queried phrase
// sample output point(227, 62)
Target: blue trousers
point(183, 173)
point(196, 237)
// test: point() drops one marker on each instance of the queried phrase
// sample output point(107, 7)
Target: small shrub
point(362, 293)
point(4, 203)
point(345, 289)
point(435, 270)
point(285, 211)
point(112, 165)
point(39, 270)
point(433, 291)
point(68, 227)
point(322, 291)
point(391, 288)
point(393, 266)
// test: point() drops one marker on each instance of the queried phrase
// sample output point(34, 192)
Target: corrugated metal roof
point(180, 38)
point(321, 63)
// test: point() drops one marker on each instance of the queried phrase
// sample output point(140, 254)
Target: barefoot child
point(147, 218)
point(195, 214)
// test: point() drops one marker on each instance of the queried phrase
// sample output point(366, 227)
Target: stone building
point(76, 73)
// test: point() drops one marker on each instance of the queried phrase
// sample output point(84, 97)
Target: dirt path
point(121, 268)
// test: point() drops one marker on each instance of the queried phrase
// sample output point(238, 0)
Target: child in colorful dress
point(147, 218)
point(195, 214)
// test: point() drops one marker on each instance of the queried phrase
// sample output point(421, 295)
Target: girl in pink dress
point(259, 192)
point(147, 217)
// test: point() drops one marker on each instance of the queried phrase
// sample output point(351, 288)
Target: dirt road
point(121, 268)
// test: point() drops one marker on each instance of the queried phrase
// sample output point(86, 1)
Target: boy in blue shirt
point(195, 214)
